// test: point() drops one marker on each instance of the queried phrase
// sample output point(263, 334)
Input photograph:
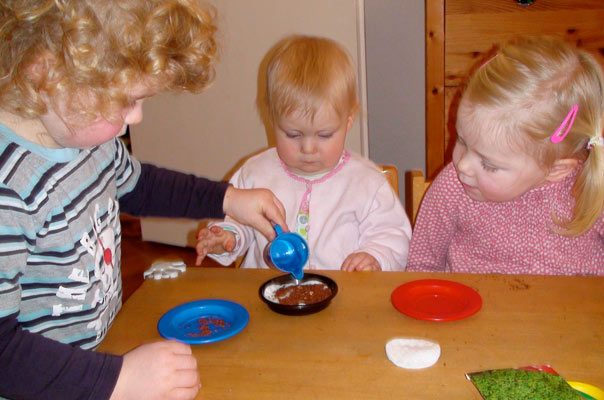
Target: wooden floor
point(138, 255)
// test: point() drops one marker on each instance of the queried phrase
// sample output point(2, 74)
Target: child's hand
point(159, 370)
point(258, 208)
point(214, 240)
point(360, 262)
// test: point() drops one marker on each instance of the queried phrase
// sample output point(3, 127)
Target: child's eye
point(326, 135)
point(488, 167)
point(292, 135)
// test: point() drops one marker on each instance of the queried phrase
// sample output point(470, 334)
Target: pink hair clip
point(568, 123)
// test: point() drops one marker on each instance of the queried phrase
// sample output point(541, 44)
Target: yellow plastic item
point(588, 389)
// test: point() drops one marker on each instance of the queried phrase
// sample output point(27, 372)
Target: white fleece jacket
point(354, 210)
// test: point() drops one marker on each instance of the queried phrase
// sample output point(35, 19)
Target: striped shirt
point(60, 236)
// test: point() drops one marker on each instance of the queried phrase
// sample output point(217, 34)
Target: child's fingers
point(278, 214)
point(215, 229)
point(348, 264)
point(265, 227)
point(185, 393)
point(229, 243)
point(273, 212)
point(201, 253)
point(214, 240)
point(177, 347)
point(355, 266)
point(186, 378)
point(186, 362)
point(360, 262)
point(207, 233)
point(368, 263)
point(203, 234)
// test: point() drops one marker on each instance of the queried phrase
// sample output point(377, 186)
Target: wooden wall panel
point(471, 28)
point(492, 6)
point(469, 36)
point(435, 84)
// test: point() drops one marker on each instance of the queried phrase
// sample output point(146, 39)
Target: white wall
point(210, 134)
point(394, 41)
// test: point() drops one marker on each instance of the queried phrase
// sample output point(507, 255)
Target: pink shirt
point(457, 234)
point(352, 210)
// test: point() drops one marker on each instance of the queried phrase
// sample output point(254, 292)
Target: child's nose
point(308, 145)
point(463, 164)
point(134, 115)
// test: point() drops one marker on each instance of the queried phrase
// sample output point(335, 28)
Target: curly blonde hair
point(56, 48)
point(530, 85)
point(304, 72)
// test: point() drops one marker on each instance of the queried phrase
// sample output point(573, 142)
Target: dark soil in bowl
point(311, 294)
point(308, 293)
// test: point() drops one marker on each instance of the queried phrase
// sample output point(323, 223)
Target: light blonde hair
point(56, 48)
point(529, 87)
point(306, 72)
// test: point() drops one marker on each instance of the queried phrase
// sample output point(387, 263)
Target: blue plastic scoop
point(288, 252)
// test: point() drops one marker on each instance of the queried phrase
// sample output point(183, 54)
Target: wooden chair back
point(415, 188)
point(391, 174)
point(460, 33)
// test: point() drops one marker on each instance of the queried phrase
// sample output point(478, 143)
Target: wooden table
point(339, 353)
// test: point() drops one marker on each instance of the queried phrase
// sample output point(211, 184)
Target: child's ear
point(349, 121)
point(561, 169)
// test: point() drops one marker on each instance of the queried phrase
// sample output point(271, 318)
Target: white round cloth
point(412, 353)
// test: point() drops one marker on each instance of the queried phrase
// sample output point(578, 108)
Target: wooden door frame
point(435, 86)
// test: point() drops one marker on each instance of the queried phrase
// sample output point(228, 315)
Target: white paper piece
point(412, 353)
point(165, 269)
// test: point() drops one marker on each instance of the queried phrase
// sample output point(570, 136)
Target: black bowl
point(300, 309)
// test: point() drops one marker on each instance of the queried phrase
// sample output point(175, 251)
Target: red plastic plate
point(436, 300)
